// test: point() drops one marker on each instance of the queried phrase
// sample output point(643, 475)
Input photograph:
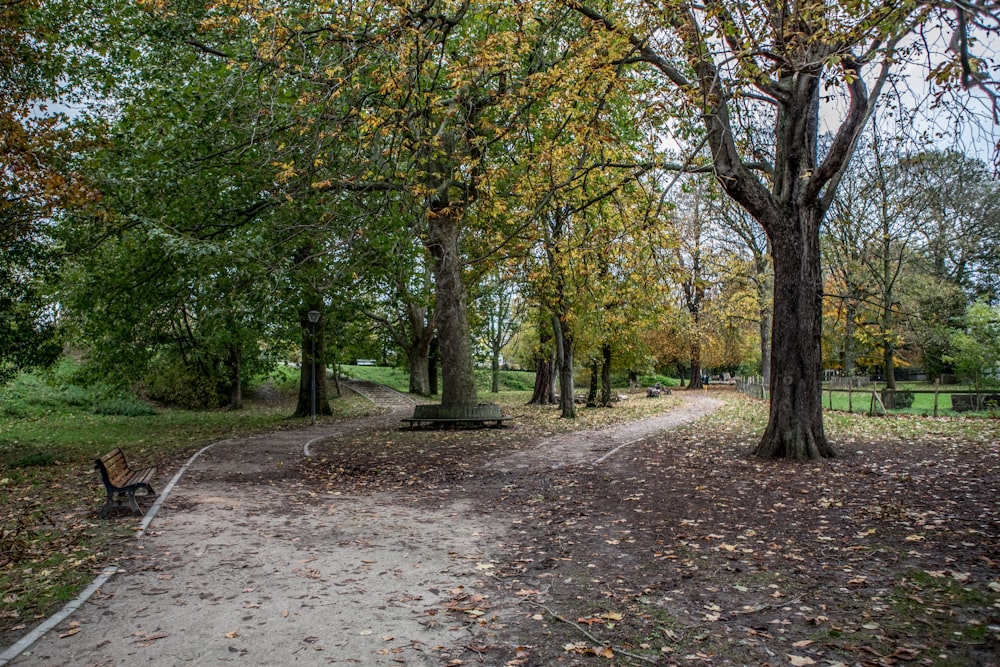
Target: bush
point(77, 396)
point(125, 406)
point(173, 382)
point(896, 399)
point(651, 380)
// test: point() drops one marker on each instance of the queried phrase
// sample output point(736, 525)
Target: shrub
point(896, 399)
point(651, 380)
point(172, 381)
point(125, 406)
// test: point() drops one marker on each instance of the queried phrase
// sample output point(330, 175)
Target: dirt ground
point(659, 543)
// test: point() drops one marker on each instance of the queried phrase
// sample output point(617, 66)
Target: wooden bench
point(121, 482)
point(472, 415)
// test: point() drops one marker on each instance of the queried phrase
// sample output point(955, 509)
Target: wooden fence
point(752, 386)
point(874, 401)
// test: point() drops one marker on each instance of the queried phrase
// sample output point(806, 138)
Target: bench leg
point(118, 499)
point(131, 504)
point(134, 506)
point(108, 506)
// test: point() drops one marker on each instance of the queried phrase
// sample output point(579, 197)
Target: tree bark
point(888, 348)
point(455, 337)
point(495, 371)
point(606, 375)
point(304, 406)
point(765, 294)
point(592, 389)
point(418, 350)
point(795, 428)
point(564, 352)
point(420, 380)
point(695, 382)
point(433, 360)
point(543, 393)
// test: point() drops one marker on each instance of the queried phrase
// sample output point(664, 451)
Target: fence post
point(937, 386)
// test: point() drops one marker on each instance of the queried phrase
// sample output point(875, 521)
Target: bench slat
point(121, 480)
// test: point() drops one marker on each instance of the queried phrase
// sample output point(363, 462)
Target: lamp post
point(313, 316)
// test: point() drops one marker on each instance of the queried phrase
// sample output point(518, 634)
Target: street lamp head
point(313, 316)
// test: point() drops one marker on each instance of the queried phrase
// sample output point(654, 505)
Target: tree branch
point(205, 48)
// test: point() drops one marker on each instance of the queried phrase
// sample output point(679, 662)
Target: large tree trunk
point(420, 379)
point(564, 352)
point(695, 382)
point(495, 371)
point(795, 427)
point(543, 392)
point(764, 297)
point(454, 335)
point(304, 406)
point(592, 389)
point(421, 332)
point(433, 359)
point(606, 375)
point(888, 358)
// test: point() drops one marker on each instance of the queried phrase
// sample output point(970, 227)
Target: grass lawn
point(923, 401)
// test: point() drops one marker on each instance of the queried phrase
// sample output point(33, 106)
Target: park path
point(243, 563)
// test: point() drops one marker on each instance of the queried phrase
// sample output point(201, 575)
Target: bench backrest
point(112, 465)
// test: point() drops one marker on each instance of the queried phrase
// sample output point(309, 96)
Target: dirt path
point(244, 563)
point(597, 446)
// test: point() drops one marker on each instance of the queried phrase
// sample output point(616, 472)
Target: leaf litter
point(681, 549)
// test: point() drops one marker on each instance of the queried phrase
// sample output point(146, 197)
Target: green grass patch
point(124, 406)
point(390, 376)
point(744, 420)
point(923, 401)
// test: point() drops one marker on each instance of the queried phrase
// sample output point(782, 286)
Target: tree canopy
point(247, 164)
